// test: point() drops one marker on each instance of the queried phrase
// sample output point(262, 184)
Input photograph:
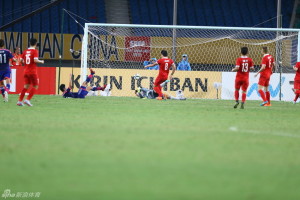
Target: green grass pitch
point(134, 149)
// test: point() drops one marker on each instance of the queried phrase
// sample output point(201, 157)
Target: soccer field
point(129, 148)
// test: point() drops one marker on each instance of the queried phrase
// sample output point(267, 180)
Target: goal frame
point(84, 50)
point(86, 28)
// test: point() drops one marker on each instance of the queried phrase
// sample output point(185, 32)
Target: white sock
point(174, 98)
point(164, 83)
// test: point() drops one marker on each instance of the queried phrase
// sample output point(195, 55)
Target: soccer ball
point(136, 76)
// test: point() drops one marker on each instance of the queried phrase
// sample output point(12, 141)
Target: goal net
point(118, 52)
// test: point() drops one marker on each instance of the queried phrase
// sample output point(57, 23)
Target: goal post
point(118, 52)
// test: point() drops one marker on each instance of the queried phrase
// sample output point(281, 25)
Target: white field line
point(281, 134)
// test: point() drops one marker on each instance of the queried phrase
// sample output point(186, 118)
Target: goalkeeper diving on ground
point(145, 93)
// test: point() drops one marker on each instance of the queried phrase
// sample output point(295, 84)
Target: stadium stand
point(211, 13)
point(298, 14)
point(190, 12)
point(50, 20)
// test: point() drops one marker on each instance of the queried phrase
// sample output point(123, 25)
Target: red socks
point(236, 95)
point(243, 97)
point(31, 93)
point(22, 94)
point(268, 96)
point(157, 89)
point(262, 94)
point(296, 97)
point(297, 93)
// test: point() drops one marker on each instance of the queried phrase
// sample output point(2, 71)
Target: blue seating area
point(242, 13)
point(49, 21)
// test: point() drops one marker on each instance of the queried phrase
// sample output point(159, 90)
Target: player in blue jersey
point(83, 90)
point(5, 71)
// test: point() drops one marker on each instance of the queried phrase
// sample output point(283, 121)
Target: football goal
point(205, 56)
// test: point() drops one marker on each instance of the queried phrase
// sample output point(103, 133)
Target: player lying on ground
point(165, 64)
point(242, 67)
point(84, 88)
point(144, 93)
point(266, 70)
point(297, 82)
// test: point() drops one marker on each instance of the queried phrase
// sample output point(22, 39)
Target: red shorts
point(264, 81)
point(297, 84)
point(241, 83)
point(160, 79)
point(31, 79)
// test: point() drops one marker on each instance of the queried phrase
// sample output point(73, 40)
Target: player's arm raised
point(173, 71)
point(151, 65)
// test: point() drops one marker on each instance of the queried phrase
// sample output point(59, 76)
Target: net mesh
point(117, 53)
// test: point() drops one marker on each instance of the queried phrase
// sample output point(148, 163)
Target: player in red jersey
point(30, 58)
point(165, 64)
point(297, 81)
point(242, 67)
point(17, 59)
point(265, 71)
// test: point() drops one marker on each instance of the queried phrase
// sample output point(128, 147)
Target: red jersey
point(164, 66)
point(297, 76)
point(267, 60)
point(243, 63)
point(28, 56)
point(17, 58)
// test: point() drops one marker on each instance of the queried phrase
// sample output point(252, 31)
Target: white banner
point(228, 79)
point(13, 80)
